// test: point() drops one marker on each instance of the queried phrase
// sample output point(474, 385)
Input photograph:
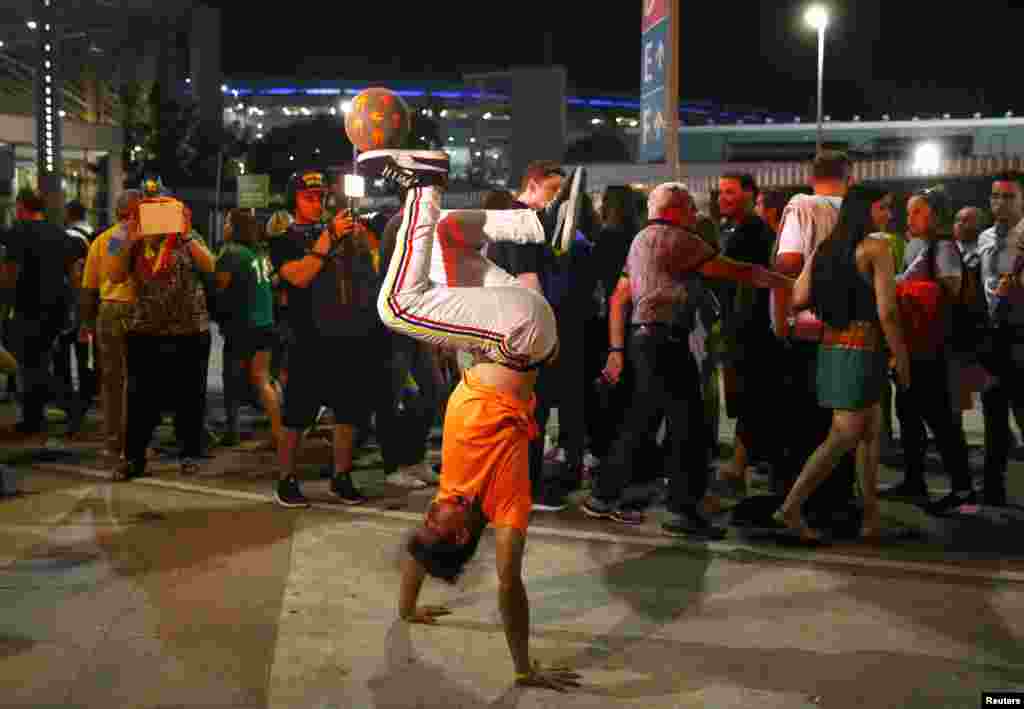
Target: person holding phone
point(849, 282)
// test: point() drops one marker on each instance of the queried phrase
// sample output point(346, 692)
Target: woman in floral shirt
point(167, 331)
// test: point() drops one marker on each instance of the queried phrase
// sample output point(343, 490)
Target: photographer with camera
point(337, 357)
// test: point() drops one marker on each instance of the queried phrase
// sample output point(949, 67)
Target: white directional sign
point(655, 60)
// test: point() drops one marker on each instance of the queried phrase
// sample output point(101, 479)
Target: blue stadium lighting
point(610, 103)
point(699, 107)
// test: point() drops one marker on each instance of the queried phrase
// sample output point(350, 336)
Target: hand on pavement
point(428, 615)
point(560, 679)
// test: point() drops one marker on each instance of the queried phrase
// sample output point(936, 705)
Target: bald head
point(673, 202)
point(967, 225)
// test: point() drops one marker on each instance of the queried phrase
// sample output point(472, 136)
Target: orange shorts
point(486, 452)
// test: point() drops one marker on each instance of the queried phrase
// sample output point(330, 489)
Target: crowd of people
point(631, 327)
point(651, 326)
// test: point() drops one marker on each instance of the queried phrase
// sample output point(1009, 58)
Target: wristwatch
point(616, 349)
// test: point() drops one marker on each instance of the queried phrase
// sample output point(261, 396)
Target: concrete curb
point(75, 470)
point(720, 548)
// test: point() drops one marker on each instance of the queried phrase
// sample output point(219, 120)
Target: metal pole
point(216, 208)
point(821, 76)
point(672, 94)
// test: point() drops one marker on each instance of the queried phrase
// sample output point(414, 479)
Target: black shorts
point(344, 374)
point(244, 344)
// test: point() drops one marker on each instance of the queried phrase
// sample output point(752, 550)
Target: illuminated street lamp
point(817, 18)
point(927, 158)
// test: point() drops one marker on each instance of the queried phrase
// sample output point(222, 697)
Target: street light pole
point(821, 84)
point(817, 17)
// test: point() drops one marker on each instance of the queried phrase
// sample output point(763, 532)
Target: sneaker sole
point(290, 505)
point(717, 536)
point(630, 522)
point(397, 153)
point(595, 514)
point(418, 485)
point(350, 503)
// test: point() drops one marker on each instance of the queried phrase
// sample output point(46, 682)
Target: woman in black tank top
point(849, 282)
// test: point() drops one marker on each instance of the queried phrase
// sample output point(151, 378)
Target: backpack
point(345, 291)
point(920, 303)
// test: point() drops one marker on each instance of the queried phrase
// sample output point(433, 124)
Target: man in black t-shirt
point(528, 263)
point(750, 347)
point(38, 258)
point(336, 359)
point(79, 233)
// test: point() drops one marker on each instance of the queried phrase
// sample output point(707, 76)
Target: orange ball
point(379, 119)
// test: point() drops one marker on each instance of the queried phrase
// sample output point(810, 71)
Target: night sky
point(904, 57)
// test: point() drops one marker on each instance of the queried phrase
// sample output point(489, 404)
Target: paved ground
point(136, 595)
point(195, 592)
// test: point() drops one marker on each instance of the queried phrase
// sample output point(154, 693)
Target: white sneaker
point(406, 168)
point(401, 478)
point(423, 471)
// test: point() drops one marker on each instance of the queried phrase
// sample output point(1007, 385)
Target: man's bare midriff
point(518, 384)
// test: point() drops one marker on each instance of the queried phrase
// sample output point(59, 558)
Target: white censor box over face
point(354, 186)
point(163, 217)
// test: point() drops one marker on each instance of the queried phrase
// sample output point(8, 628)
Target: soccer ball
point(379, 118)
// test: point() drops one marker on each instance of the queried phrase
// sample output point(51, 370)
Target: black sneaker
point(289, 494)
point(598, 509)
point(346, 490)
point(692, 524)
point(915, 493)
point(26, 429)
point(951, 502)
point(551, 499)
point(129, 470)
point(406, 168)
point(76, 417)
